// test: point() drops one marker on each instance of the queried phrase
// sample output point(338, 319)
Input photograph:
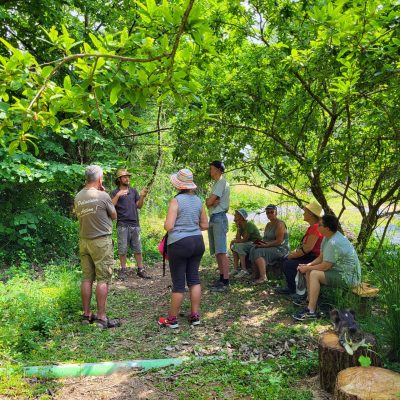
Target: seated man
point(336, 266)
point(247, 233)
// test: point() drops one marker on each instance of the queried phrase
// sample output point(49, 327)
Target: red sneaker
point(171, 322)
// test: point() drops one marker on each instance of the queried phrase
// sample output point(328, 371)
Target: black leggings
point(184, 261)
point(290, 269)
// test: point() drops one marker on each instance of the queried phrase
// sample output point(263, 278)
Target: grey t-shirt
point(221, 189)
point(93, 209)
point(340, 252)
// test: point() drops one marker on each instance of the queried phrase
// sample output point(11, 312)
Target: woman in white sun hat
point(186, 218)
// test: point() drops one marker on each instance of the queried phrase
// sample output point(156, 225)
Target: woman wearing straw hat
point(186, 218)
point(308, 250)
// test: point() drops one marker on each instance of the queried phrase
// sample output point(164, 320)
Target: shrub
point(30, 310)
point(387, 273)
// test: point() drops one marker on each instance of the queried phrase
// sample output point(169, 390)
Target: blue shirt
point(187, 221)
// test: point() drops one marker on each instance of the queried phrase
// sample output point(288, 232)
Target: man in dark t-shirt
point(127, 201)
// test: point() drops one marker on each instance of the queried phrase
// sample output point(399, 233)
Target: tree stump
point(333, 358)
point(367, 383)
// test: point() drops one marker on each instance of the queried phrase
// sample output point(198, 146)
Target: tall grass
point(387, 273)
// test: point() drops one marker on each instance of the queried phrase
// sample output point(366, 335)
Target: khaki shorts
point(97, 258)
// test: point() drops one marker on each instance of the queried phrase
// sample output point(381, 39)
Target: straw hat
point(121, 172)
point(242, 212)
point(315, 209)
point(183, 179)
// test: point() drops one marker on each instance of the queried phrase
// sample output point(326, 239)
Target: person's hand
point(303, 268)
point(144, 192)
point(122, 192)
point(231, 244)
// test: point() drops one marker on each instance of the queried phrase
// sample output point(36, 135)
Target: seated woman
point(274, 245)
point(247, 233)
point(307, 252)
point(336, 266)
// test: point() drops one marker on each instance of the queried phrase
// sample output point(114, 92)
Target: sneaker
point(194, 319)
point(283, 290)
point(215, 284)
point(220, 288)
point(241, 274)
point(142, 274)
point(170, 322)
point(305, 314)
point(299, 300)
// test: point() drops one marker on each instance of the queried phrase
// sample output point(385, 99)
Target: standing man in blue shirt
point(218, 205)
point(127, 201)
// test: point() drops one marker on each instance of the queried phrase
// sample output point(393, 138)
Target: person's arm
point(323, 266)
point(143, 194)
point(305, 248)
point(279, 235)
point(171, 215)
point(120, 193)
point(212, 201)
point(203, 220)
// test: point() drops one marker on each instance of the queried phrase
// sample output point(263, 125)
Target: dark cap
point(271, 207)
point(218, 164)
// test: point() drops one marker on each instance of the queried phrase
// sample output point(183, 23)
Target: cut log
point(367, 383)
point(333, 358)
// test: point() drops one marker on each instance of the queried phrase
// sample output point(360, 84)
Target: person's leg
point(220, 230)
point(102, 252)
point(122, 235)
point(192, 273)
point(235, 260)
point(178, 255)
point(101, 298)
point(86, 294)
point(289, 269)
point(243, 262)
point(223, 265)
point(139, 260)
point(88, 276)
point(315, 280)
point(262, 269)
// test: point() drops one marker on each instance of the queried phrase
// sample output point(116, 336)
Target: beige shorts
point(97, 258)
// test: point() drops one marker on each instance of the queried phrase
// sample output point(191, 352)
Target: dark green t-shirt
point(252, 230)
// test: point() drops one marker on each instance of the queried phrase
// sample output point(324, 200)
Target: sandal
point(88, 319)
point(108, 323)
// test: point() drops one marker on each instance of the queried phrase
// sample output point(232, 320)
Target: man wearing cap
point(247, 233)
point(218, 205)
point(127, 201)
point(95, 213)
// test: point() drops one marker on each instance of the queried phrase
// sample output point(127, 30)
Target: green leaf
point(364, 361)
point(67, 83)
point(46, 71)
point(95, 41)
point(114, 93)
point(125, 123)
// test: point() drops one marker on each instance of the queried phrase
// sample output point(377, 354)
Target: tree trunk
point(367, 383)
point(333, 358)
